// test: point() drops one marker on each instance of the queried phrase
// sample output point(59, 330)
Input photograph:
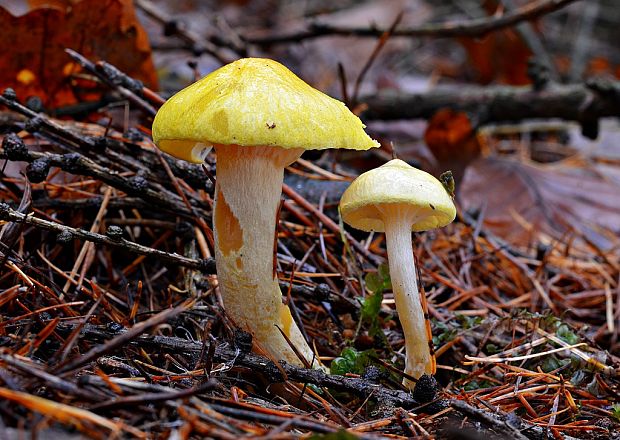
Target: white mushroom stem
point(398, 221)
point(249, 184)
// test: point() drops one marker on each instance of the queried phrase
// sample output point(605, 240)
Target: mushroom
point(397, 199)
point(259, 117)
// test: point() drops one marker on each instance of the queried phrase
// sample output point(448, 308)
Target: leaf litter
point(524, 301)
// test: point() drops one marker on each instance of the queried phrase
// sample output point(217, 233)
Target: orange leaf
point(452, 140)
point(500, 56)
point(598, 66)
point(34, 61)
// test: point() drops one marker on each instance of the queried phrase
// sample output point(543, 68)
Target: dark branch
point(77, 164)
point(264, 366)
point(124, 338)
point(470, 28)
point(196, 43)
point(8, 214)
point(127, 87)
point(584, 103)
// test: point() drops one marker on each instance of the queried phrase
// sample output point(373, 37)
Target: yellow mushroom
point(397, 199)
point(259, 117)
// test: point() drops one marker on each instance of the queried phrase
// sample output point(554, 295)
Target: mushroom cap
point(396, 184)
point(255, 102)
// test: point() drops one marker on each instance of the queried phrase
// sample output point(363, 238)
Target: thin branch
point(77, 164)
point(126, 86)
point(489, 419)
point(150, 398)
point(39, 121)
point(197, 44)
point(471, 28)
point(8, 214)
point(329, 223)
point(373, 56)
point(124, 337)
point(534, 42)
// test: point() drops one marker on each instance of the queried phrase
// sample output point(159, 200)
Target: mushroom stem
point(249, 184)
point(401, 261)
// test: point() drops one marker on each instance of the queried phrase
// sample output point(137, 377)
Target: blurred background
point(439, 98)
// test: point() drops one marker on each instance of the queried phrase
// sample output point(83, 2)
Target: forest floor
point(111, 322)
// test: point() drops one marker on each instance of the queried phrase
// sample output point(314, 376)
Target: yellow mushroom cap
point(396, 184)
point(255, 102)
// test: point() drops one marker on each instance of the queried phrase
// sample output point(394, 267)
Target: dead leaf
point(499, 57)
point(521, 199)
point(598, 66)
point(34, 62)
point(452, 140)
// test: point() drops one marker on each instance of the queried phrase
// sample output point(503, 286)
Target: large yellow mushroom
point(397, 199)
point(259, 117)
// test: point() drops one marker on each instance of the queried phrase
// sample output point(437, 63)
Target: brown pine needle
point(66, 414)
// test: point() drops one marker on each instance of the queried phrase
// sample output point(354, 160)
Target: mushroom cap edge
point(398, 184)
point(255, 102)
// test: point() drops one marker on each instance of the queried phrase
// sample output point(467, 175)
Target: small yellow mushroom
point(397, 199)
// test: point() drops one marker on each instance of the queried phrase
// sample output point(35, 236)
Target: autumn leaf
point(521, 199)
point(34, 62)
point(498, 57)
point(452, 140)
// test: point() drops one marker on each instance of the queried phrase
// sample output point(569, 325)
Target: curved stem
point(248, 189)
point(406, 294)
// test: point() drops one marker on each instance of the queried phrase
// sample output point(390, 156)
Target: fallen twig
point(129, 88)
point(266, 367)
point(77, 164)
point(123, 338)
point(489, 419)
point(197, 44)
point(8, 214)
point(469, 28)
point(584, 103)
